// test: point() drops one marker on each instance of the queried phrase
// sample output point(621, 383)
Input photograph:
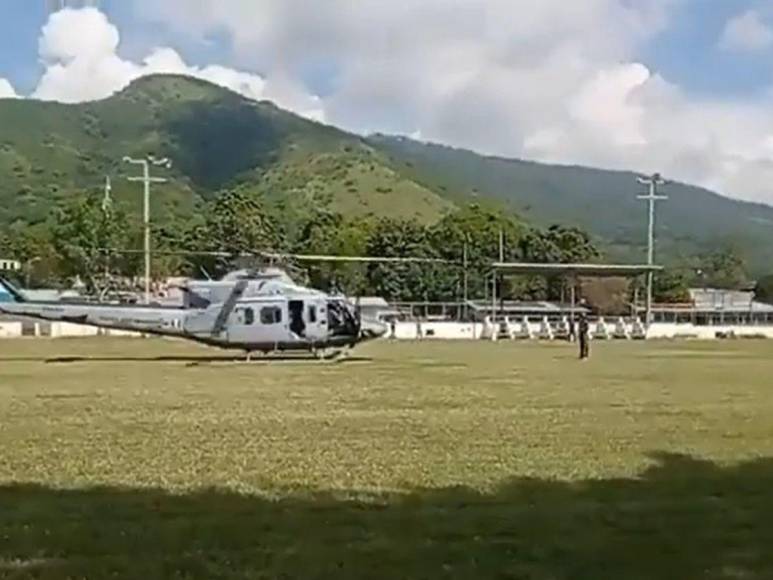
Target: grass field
point(153, 459)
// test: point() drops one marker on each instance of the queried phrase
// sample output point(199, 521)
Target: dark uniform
point(584, 336)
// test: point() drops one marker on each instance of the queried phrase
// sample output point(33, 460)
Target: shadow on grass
point(193, 360)
point(683, 518)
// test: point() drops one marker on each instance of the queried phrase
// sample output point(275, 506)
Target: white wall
point(439, 331)
point(124, 333)
point(65, 329)
point(669, 330)
point(10, 329)
point(468, 331)
point(60, 330)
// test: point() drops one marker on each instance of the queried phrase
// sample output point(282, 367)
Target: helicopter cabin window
point(249, 317)
point(270, 315)
point(312, 314)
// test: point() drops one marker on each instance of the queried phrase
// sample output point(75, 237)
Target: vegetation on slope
point(218, 140)
point(692, 221)
point(53, 154)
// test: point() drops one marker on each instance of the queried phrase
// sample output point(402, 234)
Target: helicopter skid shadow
point(191, 361)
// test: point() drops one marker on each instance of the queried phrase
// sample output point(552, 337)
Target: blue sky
point(21, 25)
point(684, 87)
point(687, 52)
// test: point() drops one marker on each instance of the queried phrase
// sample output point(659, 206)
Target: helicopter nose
point(372, 329)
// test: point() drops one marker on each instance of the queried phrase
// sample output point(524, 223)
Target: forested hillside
point(271, 179)
point(691, 222)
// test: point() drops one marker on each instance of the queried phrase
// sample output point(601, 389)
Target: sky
point(683, 87)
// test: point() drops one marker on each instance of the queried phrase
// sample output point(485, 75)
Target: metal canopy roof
point(577, 269)
point(526, 307)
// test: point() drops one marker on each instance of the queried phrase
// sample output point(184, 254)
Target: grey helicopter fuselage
point(262, 313)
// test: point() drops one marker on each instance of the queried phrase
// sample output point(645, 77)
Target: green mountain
point(217, 139)
point(220, 140)
point(693, 220)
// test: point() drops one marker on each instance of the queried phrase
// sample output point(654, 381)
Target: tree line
point(86, 240)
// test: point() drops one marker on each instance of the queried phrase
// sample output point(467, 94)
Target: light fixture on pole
point(146, 180)
point(652, 182)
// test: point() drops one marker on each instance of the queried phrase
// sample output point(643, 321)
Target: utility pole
point(107, 199)
point(107, 206)
point(146, 180)
point(465, 281)
point(651, 198)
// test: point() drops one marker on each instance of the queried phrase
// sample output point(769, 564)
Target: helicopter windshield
point(341, 319)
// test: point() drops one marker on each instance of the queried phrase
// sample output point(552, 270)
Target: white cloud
point(6, 89)
point(79, 51)
point(746, 32)
point(552, 80)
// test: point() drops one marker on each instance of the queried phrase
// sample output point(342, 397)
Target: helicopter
point(252, 311)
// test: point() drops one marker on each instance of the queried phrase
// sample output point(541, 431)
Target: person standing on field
point(584, 336)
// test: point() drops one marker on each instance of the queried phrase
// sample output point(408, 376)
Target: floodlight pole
point(494, 304)
point(651, 198)
point(465, 281)
point(146, 180)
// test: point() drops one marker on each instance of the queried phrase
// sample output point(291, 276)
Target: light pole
point(652, 196)
point(146, 180)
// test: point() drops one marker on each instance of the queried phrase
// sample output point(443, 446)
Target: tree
point(82, 233)
point(169, 237)
point(408, 281)
point(671, 287)
point(479, 228)
point(555, 245)
point(234, 223)
point(558, 245)
point(764, 289)
point(237, 222)
point(330, 233)
point(725, 268)
point(31, 247)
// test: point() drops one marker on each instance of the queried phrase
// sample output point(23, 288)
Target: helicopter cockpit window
point(340, 320)
point(249, 317)
point(270, 315)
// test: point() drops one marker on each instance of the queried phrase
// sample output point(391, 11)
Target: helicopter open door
point(297, 319)
point(316, 320)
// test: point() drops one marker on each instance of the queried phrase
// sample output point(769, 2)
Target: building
point(9, 266)
point(716, 307)
point(375, 308)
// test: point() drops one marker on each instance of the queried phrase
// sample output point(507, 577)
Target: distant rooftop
point(9, 265)
point(715, 300)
